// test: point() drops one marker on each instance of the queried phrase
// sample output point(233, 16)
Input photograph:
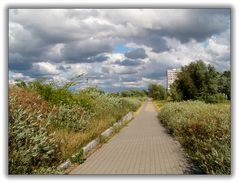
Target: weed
point(204, 130)
point(78, 158)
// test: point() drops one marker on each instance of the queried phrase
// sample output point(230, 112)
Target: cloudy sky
point(116, 49)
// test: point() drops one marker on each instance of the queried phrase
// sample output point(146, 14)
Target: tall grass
point(203, 130)
point(48, 124)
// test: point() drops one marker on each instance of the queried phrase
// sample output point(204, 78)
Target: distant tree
point(175, 94)
point(196, 81)
point(157, 92)
point(125, 93)
point(20, 83)
point(133, 93)
point(224, 85)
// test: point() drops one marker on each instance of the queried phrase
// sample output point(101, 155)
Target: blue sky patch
point(205, 44)
point(121, 48)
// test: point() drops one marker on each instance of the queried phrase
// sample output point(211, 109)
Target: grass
point(159, 104)
point(45, 130)
point(203, 130)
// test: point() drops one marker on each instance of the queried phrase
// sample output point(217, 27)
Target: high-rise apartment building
point(171, 76)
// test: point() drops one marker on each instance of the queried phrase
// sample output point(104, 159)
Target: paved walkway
point(143, 147)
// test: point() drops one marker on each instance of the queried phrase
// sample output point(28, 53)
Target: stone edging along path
point(92, 144)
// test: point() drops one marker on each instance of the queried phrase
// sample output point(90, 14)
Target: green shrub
point(132, 93)
point(78, 158)
point(203, 130)
point(216, 98)
point(157, 91)
point(31, 147)
point(45, 90)
point(76, 118)
point(56, 95)
point(72, 118)
point(47, 171)
point(130, 103)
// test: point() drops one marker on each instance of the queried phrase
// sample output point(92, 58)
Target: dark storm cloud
point(86, 51)
point(155, 75)
point(138, 53)
point(56, 42)
point(128, 62)
point(129, 78)
point(199, 24)
point(127, 70)
point(97, 58)
point(18, 62)
point(157, 69)
point(152, 38)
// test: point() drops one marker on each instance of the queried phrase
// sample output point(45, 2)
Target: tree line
point(196, 81)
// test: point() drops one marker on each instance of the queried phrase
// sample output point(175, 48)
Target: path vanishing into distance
point(142, 147)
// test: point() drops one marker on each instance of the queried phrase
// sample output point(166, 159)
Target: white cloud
point(45, 68)
point(61, 44)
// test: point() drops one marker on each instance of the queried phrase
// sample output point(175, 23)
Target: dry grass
point(29, 100)
point(105, 111)
point(71, 142)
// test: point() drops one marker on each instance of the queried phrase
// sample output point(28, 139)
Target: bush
point(203, 130)
point(31, 147)
point(216, 98)
point(78, 157)
point(56, 95)
point(133, 93)
point(157, 92)
point(132, 104)
point(72, 118)
point(38, 110)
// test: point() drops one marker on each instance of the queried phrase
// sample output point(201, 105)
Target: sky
point(114, 49)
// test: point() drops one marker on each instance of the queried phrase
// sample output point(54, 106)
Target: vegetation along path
point(143, 147)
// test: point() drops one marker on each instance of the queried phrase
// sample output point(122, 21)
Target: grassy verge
point(47, 125)
point(159, 104)
point(203, 130)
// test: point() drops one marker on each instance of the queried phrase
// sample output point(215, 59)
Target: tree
point(174, 93)
point(195, 81)
point(20, 83)
point(157, 92)
point(225, 84)
point(133, 93)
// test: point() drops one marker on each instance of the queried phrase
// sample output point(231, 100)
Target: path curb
point(92, 144)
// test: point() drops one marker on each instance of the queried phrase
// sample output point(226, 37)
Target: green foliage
point(21, 83)
point(175, 94)
point(76, 118)
point(103, 139)
point(51, 92)
point(224, 85)
point(68, 117)
point(133, 93)
point(31, 147)
point(157, 92)
point(105, 105)
point(160, 103)
point(216, 98)
point(78, 158)
point(45, 90)
point(198, 81)
point(132, 104)
point(48, 171)
point(203, 130)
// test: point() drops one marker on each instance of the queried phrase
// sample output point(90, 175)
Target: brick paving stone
point(142, 147)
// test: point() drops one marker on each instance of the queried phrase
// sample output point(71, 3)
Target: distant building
point(171, 76)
